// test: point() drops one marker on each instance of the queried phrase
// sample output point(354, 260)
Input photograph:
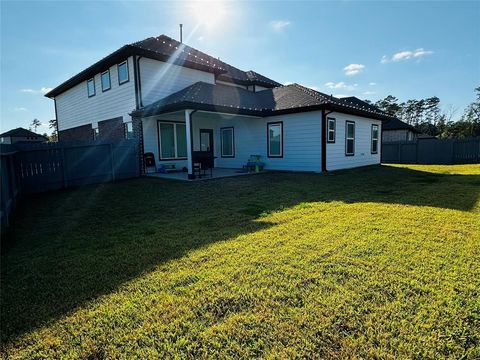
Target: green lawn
point(380, 262)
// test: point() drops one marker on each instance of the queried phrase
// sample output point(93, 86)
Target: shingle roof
point(20, 132)
point(164, 48)
point(229, 99)
point(396, 124)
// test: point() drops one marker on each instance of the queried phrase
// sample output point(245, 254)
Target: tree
point(35, 123)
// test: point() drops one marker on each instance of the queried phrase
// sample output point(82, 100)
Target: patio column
point(188, 124)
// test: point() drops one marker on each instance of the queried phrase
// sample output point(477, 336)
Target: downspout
point(139, 85)
point(324, 139)
point(56, 119)
point(190, 118)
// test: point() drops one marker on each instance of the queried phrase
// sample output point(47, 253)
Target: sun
point(209, 14)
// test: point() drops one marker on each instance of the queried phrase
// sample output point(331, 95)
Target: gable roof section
point(396, 124)
point(166, 49)
point(275, 101)
point(20, 132)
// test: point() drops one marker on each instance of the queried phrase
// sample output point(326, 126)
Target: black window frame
point(281, 139)
point(94, 89)
point(372, 139)
point(159, 143)
point(109, 80)
point(233, 141)
point(118, 73)
point(347, 122)
point(334, 130)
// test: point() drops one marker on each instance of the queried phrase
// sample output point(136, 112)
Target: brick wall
point(83, 132)
point(111, 129)
point(138, 135)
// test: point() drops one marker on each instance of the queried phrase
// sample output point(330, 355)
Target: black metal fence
point(432, 151)
point(33, 168)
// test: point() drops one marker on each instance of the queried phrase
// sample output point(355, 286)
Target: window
point(349, 138)
point(331, 130)
point(275, 139)
point(128, 127)
point(172, 140)
point(91, 87)
point(122, 72)
point(228, 145)
point(106, 80)
point(96, 133)
point(374, 139)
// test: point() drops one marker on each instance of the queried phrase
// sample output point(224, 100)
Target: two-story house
point(177, 100)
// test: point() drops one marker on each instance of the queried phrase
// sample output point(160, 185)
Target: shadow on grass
point(69, 247)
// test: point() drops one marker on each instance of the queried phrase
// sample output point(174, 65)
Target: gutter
point(324, 138)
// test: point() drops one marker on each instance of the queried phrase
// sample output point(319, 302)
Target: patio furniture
point(254, 164)
point(149, 160)
point(203, 161)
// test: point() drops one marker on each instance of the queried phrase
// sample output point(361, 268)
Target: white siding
point(75, 108)
point(301, 142)
point(234, 85)
point(159, 79)
point(336, 158)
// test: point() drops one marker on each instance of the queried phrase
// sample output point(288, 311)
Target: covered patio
point(217, 173)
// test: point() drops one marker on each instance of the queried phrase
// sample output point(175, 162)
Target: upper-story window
point(91, 87)
point(331, 130)
point(106, 80)
point(122, 72)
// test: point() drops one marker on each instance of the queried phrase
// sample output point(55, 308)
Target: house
point(176, 100)
point(397, 130)
point(21, 135)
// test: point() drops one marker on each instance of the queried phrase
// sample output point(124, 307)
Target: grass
point(378, 262)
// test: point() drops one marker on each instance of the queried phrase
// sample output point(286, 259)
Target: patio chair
point(203, 161)
point(254, 163)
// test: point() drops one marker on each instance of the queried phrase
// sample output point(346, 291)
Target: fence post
point(111, 162)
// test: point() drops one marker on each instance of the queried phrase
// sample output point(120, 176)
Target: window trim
point(118, 73)
point(159, 143)
point(222, 129)
point(109, 80)
point(95, 133)
point(94, 89)
point(281, 139)
point(372, 139)
point(334, 130)
point(347, 122)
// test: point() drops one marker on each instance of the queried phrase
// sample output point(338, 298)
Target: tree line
point(427, 117)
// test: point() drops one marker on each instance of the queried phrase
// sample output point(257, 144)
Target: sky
point(346, 48)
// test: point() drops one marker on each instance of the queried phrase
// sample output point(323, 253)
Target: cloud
point(406, 55)
point(341, 95)
point(372, 84)
point(353, 69)
point(369, 93)
point(42, 90)
point(20, 109)
point(201, 38)
point(340, 85)
point(313, 87)
point(279, 25)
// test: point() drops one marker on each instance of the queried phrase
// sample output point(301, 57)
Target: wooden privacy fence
point(33, 168)
point(432, 151)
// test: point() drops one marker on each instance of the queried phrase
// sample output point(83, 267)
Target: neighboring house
point(396, 130)
point(177, 100)
point(21, 135)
